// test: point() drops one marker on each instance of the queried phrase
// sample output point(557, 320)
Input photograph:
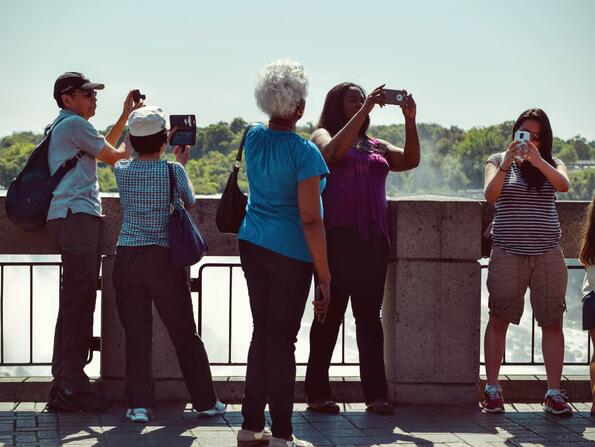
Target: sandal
point(381, 407)
point(324, 406)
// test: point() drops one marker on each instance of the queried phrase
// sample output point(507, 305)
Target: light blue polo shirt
point(79, 189)
point(276, 162)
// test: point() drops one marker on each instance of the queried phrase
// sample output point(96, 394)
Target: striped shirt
point(526, 221)
point(144, 196)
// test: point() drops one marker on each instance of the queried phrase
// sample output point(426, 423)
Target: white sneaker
point(138, 414)
point(249, 438)
point(280, 442)
point(217, 410)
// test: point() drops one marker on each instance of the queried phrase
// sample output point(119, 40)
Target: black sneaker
point(324, 406)
point(85, 401)
point(56, 403)
point(380, 406)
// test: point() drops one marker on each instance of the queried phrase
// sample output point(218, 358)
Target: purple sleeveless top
point(355, 193)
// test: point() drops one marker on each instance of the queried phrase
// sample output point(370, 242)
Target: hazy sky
point(468, 63)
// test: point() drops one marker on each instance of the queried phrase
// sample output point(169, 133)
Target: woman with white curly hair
point(282, 242)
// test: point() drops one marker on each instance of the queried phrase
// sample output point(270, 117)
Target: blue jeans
point(278, 287)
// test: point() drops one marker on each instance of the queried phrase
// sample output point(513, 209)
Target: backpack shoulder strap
point(71, 162)
point(48, 129)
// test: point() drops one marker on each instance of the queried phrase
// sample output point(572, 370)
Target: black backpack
point(29, 195)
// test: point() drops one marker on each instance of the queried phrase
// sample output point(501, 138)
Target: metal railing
point(533, 362)
point(197, 284)
point(94, 342)
point(31, 266)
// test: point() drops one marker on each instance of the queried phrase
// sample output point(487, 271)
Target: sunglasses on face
point(87, 93)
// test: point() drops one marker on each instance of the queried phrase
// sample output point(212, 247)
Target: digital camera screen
point(182, 138)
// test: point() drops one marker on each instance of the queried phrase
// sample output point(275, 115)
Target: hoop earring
point(300, 112)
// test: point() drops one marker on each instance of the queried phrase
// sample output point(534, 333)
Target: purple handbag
point(186, 244)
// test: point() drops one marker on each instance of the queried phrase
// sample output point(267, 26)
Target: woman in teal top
point(282, 242)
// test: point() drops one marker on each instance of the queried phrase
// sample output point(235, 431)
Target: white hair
point(280, 87)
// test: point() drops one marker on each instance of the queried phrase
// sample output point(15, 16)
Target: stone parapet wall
point(431, 311)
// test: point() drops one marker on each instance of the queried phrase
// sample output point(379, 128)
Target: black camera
point(137, 96)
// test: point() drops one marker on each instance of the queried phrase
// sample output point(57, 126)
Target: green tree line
point(452, 159)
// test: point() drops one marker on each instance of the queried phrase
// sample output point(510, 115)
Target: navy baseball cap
point(71, 81)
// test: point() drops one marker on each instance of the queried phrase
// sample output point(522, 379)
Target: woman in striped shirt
point(522, 182)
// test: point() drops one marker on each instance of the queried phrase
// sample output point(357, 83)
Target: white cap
point(145, 121)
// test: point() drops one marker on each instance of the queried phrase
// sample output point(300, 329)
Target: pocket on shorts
point(506, 294)
point(548, 287)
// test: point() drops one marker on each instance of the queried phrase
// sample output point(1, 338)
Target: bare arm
point(494, 177)
point(558, 177)
point(313, 227)
point(494, 181)
point(333, 149)
point(409, 157)
point(115, 132)
point(110, 155)
point(182, 155)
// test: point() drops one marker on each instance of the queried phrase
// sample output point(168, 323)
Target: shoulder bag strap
point(238, 162)
point(172, 186)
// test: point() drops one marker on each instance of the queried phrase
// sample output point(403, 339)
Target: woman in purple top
point(356, 222)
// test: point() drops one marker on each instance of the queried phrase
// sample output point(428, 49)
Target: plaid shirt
point(144, 196)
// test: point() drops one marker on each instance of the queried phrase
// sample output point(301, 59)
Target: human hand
point(130, 105)
point(322, 300)
point(182, 153)
point(532, 154)
point(376, 97)
point(409, 108)
point(514, 151)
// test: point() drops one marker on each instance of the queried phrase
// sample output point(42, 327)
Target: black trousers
point(77, 236)
point(278, 287)
point(358, 270)
point(143, 275)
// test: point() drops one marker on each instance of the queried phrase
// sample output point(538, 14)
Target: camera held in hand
point(395, 97)
point(137, 96)
point(522, 136)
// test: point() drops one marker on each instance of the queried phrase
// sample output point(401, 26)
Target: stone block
point(572, 214)
point(432, 327)
point(113, 341)
point(433, 393)
point(437, 228)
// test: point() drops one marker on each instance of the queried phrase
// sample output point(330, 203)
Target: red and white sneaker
point(493, 401)
point(556, 403)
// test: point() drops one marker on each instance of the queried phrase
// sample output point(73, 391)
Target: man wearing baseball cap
point(73, 224)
